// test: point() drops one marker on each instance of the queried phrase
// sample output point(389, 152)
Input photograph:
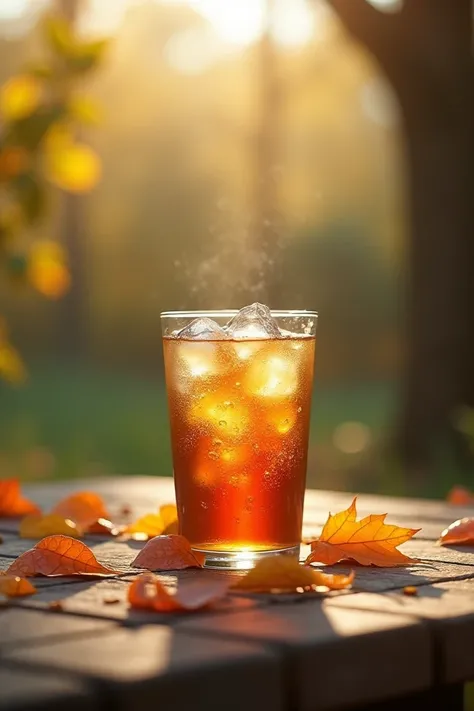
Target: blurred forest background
point(249, 150)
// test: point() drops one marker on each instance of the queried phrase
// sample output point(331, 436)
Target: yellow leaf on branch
point(74, 167)
point(47, 270)
point(19, 97)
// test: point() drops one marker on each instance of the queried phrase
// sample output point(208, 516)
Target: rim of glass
point(276, 313)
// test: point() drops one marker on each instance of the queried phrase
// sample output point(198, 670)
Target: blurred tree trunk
point(71, 327)
point(425, 49)
point(266, 238)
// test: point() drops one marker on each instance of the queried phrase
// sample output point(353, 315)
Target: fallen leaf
point(12, 503)
point(169, 514)
point(148, 593)
point(410, 590)
point(58, 555)
point(14, 586)
point(460, 496)
point(171, 529)
point(460, 532)
point(285, 574)
point(168, 553)
point(84, 508)
point(147, 526)
point(369, 541)
point(48, 525)
point(103, 527)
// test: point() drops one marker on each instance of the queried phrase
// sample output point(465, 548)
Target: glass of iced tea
point(239, 389)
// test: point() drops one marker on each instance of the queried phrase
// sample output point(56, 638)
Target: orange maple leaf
point(168, 553)
point(58, 555)
point(285, 574)
point(369, 541)
point(460, 496)
point(12, 503)
point(460, 532)
point(148, 593)
point(13, 586)
point(84, 508)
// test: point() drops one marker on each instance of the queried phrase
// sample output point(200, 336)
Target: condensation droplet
point(222, 423)
point(300, 409)
point(203, 504)
point(217, 442)
point(213, 455)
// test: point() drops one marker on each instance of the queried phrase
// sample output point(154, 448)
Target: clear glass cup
point(239, 415)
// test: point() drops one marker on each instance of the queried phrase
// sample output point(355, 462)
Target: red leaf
point(460, 532)
point(168, 553)
point(148, 593)
point(58, 555)
point(12, 504)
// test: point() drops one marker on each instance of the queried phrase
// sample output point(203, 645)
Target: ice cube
point(202, 329)
point(255, 321)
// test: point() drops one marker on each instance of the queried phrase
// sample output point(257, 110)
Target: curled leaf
point(369, 541)
point(84, 508)
point(285, 574)
point(58, 555)
point(460, 532)
point(460, 496)
point(148, 593)
point(12, 503)
point(14, 586)
point(168, 553)
point(48, 525)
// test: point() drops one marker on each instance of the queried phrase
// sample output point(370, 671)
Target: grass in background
point(67, 423)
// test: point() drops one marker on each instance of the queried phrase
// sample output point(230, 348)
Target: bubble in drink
point(255, 321)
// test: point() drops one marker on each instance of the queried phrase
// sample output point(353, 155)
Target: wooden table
point(370, 648)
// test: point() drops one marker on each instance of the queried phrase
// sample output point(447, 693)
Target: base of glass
point(242, 560)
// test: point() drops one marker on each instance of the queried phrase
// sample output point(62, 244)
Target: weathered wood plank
point(21, 626)
point(26, 690)
point(450, 605)
point(107, 599)
point(155, 666)
point(336, 660)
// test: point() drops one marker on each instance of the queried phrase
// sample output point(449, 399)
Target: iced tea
point(240, 412)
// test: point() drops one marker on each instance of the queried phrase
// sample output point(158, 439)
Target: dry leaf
point(155, 524)
point(147, 526)
point(460, 496)
point(103, 527)
point(284, 574)
point(84, 508)
point(168, 553)
point(58, 555)
point(169, 514)
point(369, 541)
point(148, 593)
point(48, 525)
point(14, 586)
point(12, 504)
point(460, 532)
